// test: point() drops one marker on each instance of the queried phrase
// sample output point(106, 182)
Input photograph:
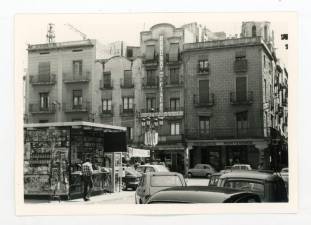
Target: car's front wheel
point(124, 187)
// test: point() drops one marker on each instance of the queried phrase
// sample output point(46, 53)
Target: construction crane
point(77, 31)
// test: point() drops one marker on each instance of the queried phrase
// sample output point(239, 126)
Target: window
point(151, 78)
point(129, 52)
point(265, 90)
point(174, 76)
point(266, 33)
point(241, 89)
point(77, 67)
point(44, 71)
point(174, 104)
point(254, 33)
point(127, 103)
point(129, 133)
point(127, 78)
point(175, 128)
point(150, 52)
point(204, 91)
point(106, 105)
point(165, 181)
point(203, 66)
point(173, 52)
point(150, 103)
point(247, 185)
point(242, 122)
point(44, 101)
point(204, 125)
point(77, 98)
point(264, 61)
point(107, 80)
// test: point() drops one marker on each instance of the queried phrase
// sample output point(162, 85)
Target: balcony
point(240, 66)
point(150, 83)
point(173, 62)
point(126, 84)
point(35, 108)
point(37, 80)
point(151, 62)
point(107, 85)
point(173, 109)
point(70, 78)
point(173, 83)
point(204, 103)
point(106, 112)
point(167, 139)
point(226, 133)
point(241, 99)
point(127, 112)
point(71, 108)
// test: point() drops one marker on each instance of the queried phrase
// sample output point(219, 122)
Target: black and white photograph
point(155, 108)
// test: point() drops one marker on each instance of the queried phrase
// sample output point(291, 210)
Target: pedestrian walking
point(87, 172)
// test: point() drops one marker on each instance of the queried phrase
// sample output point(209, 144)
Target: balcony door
point(204, 123)
point(241, 88)
point(44, 101)
point(242, 124)
point(77, 99)
point(203, 91)
point(77, 68)
point(44, 71)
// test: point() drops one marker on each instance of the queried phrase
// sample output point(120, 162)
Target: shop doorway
point(236, 155)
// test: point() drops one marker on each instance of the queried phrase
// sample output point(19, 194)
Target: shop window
point(174, 104)
point(44, 101)
point(204, 125)
point(127, 103)
point(203, 66)
point(77, 98)
point(174, 76)
point(151, 102)
point(106, 105)
point(77, 67)
point(175, 128)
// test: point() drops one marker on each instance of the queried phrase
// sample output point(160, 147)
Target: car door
point(196, 170)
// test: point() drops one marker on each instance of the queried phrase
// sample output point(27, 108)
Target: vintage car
point(151, 168)
point(270, 187)
point(201, 170)
point(130, 179)
point(241, 167)
point(151, 183)
point(202, 194)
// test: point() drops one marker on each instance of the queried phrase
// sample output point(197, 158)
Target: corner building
point(228, 85)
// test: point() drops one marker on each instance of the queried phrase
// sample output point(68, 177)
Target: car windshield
point(252, 186)
point(165, 181)
point(132, 172)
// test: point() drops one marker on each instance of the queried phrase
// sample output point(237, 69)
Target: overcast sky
point(32, 29)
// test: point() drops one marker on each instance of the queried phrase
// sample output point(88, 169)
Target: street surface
point(124, 197)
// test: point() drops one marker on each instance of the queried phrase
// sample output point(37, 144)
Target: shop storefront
point(226, 153)
point(54, 153)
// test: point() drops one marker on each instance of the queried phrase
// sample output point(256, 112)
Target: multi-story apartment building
point(60, 81)
point(228, 89)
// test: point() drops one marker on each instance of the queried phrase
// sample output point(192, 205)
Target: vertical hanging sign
point(161, 72)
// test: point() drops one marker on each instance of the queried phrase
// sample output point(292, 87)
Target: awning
point(173, 52)
point(136, 152)
point(150, 52)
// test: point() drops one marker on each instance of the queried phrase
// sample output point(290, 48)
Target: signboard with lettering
point(161, 73)
point(163, 114)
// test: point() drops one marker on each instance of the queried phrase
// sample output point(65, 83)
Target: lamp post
point(151, 124)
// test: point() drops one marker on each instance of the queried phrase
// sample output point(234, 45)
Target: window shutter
point(204, 91)
point(44, 71)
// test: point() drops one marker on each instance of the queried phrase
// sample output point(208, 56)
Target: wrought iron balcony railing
point(85, 106)
point(151, 82)
point(106, 112)
point(77, 78)
point(206, 102)
point(38, 108)
point(42, 79)
point(241, 98)
point(106, 85)
point(124, 111)
point(126, 83)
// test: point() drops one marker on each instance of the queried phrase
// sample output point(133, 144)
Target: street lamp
point(151, 124)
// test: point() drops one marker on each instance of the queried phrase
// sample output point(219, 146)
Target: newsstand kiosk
point(54, 153)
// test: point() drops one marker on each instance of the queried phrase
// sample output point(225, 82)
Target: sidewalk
point(125, 197)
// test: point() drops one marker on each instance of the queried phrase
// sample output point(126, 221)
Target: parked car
point(270, 187)
point(241, 167)
point(151, 168)
point(131, 179)
point(201, 170)
point(201, 194)
point(213, 181)
point(151, 183)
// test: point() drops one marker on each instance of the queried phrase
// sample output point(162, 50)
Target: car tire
point(124, 187)
point(189, 175)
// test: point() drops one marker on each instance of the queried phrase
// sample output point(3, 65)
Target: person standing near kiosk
point(87, 172)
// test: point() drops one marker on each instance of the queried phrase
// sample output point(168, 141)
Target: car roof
point(196, 194)
point(150, 165)
point(251, 175)
point(163, 173)
point(241, 164)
